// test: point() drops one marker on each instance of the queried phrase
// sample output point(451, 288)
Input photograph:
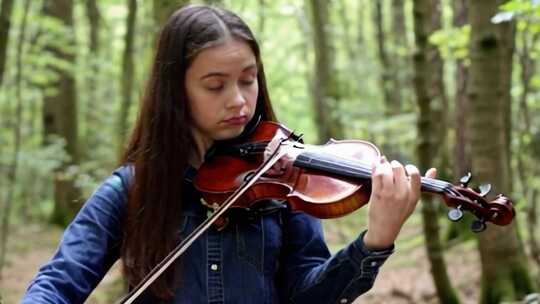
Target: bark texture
point(128, 72)
point(427, 73)
point(60, 114)
point(326, 91)
point(488, 95)
point(6, 11)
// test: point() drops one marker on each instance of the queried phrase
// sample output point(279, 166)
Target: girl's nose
point(237, 99)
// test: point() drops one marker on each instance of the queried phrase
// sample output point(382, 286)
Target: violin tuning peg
point(478, 225)
point(484, 189)
point(455, 214)
point(464, 180)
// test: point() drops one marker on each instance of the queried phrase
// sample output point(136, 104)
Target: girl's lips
point(236, 120)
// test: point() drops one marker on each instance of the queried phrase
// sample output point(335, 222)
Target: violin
point(326, 181)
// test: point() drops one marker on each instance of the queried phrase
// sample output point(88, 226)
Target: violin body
point(314, 192)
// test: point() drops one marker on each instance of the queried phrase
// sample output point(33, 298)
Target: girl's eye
point(247, 82)
point(215, 88)
point(214, 85)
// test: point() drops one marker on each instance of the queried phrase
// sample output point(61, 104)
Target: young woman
point(207, 85)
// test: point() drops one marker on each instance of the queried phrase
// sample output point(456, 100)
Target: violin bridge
point(212, 207)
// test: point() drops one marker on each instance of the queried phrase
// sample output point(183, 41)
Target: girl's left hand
point(394, 194)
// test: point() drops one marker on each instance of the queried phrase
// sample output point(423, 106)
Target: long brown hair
point(160, 144)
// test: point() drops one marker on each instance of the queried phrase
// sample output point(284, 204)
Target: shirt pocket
point(258, 242)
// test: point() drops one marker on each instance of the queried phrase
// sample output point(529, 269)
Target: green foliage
point(48, 35)
point(453, 43)
point(525, 8)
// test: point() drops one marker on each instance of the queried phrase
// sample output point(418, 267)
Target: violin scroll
point(499, 211)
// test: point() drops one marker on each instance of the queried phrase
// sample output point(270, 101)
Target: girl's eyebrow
point(214, 74)
point(249, 67)
point(222, 74)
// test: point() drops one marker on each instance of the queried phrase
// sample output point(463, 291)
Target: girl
point(208, 85)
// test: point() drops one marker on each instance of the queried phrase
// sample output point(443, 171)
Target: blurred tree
point(92, 114)
point(427, 78)
point(439, 99)
point(262, 18)
point(164, 8)
point(5, 23)
point(399, 28)
point(461, 151)
point(462, 157)
point(128, 73)
point(60, 109)
point(389, 83)
point(394, 68)
point(326, 92)
point(8, 201)
point(352, 49)
point(504, 265)
point(400, 53)
point(507, 33)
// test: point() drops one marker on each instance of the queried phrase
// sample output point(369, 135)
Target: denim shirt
point(280, 257)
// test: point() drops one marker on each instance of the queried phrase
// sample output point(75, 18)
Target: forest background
point(436, 83)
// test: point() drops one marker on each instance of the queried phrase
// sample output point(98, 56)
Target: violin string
point(365, 170)
point(362, 168)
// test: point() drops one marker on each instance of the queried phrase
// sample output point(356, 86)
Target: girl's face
point(221, 86)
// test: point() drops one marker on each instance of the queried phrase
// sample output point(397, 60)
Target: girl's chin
point(229, 133)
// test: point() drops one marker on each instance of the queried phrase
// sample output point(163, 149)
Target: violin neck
point(349, 168)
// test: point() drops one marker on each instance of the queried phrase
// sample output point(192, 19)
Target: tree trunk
point(352, 49)
point(17, 138)
point(262, 18)
point(462, 159)
point(93, 103)
point(391, 90)
point(425, 68)
point(507, 36)
point(326, 92)
point(399, 28)
point(400, 47)
point(439, 101)
point(128, 72)
point(389, 61)
point(488, 126)
point(163, 9)
point(6, 11)
point(532, 226)
point(60, 116)
point(360, 39)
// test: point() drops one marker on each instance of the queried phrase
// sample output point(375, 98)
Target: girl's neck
point(202, 144)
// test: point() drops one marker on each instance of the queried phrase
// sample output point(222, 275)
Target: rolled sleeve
point(311, 275)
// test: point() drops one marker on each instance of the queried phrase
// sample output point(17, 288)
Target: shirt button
point(343, 301)
point(214, 267)
point(373, 263)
